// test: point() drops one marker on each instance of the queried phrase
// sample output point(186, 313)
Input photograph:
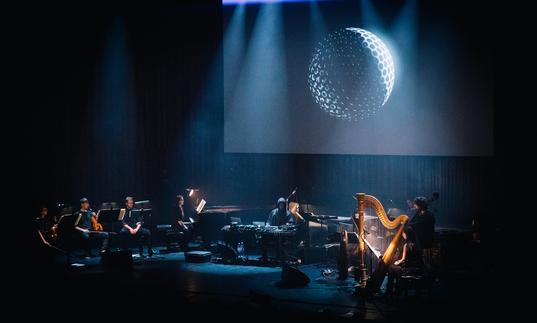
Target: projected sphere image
point(351, 74)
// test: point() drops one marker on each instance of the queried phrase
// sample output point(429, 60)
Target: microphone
point(292, 193)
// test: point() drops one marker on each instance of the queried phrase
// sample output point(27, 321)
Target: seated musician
point(294, 208)
point(132, 226)
point(300, 222)
point(183, 222)
point(277, 217)
point(423, 224)
point(45, 225)
point(280, 215)
point(84, 226)
point(410, 262)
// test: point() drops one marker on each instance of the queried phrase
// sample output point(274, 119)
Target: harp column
point(360, 197)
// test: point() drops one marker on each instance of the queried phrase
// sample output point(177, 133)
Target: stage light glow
point(236, 2)
point(351, 74)
point(262, 84)
point(191, 191)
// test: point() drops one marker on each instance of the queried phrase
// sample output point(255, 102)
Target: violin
point(94, 224)
point(54, 232)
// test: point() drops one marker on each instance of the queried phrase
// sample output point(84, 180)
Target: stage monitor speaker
point(198, 256)
point(292, 277)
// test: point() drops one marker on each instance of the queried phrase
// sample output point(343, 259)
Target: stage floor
point(231, 284)
point(166, 283)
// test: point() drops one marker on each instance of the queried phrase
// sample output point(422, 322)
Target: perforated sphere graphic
point(351, 74)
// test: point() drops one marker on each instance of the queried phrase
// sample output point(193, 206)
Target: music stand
point(143, 205)
point(66, 224)
point(145, 208)
point(109, 217)
point(109, 206)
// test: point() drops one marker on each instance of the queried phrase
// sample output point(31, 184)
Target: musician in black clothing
point(277, 217)
point(280, 215)
point(44, 225)
point(410, 262)
point(132, 226)
point(423, 225)
point(84, 227)
point(183, 223)
point(43, 221)
point(423, 222)
point(181, 216)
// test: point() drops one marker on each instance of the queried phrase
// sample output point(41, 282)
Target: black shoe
point(150, 253)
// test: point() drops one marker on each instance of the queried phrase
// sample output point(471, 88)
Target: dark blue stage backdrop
point(354, 77)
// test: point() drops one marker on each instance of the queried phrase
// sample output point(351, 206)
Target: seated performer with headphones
point(132, 226)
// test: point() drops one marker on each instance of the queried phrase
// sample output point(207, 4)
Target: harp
point(384, 255)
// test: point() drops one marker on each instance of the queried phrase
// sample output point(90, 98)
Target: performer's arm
point(79, 228)
point(403, 256)
point(269, 219)
point(131, 230)
point(43, 238)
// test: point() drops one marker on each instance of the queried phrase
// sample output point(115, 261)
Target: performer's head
point(84, 204)
point(420, 203)
point(129, 202)
point(281, 204)
point(43, 211)
point(180, 200)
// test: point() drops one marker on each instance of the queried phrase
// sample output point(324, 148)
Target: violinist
point(85, 224)
point(45, 225)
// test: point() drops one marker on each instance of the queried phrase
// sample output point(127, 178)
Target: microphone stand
point(287, 199)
